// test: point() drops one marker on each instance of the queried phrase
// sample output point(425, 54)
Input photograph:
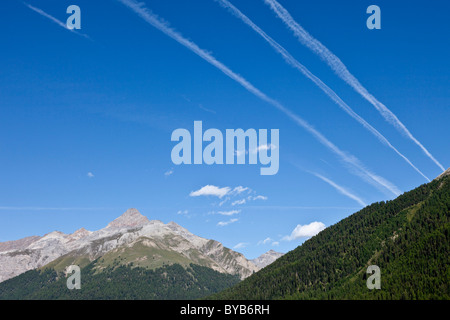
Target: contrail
point(353, 162)
point(341, 70)
point(341, 189)
point(328, 91)
point(58, 22)
point(53, 208)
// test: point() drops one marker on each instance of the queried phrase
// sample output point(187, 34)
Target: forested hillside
point(408, 238)
point(120, 282)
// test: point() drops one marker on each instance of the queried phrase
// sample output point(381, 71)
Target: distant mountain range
point(131, 238)
point(407, 238)
point(135, 258)
point(173, 262)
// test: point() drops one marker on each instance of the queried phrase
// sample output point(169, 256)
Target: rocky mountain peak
point(174, 226)
point(443, 174)
point(80, 233)
point(173, 241)
point(266, 258)
point(54, 234)
point(129, 219)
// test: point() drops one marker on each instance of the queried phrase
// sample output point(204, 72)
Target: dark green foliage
point(408, 238)
point(120, 282)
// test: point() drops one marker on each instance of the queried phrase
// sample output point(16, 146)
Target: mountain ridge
point(131, 218)
point(266, 258)
point(407, 238)
point(57, 248)
point(443, 174)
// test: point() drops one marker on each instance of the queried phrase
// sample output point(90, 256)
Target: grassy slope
point(145, 253)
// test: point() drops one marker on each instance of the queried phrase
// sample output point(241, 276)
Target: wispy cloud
point(240, 189)
point(341, 189)
point(259, 197)
point(210, 190)
point(243, 200)
point(238, 202)
point(305, 231)
point(319, 83)
point(5, 208)
point(229, 213)
point(357, 167)
point(341, 70)
point(58, 22)
point(206, 109)
point(168, 172)
point(199, 105)
point(225, 223)
point(241, 245)
point(269, 241)
point(264, 147)
point(220, 192)
point(90, 175)
point(221, 203)
point(265, 241)
point(238, 153)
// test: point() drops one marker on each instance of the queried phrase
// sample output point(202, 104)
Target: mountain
point(443, 174)
point(407, 238)
point(266, 258)
point(132, 218)
point(17, 244)
point(131, 258)
point(131, 238)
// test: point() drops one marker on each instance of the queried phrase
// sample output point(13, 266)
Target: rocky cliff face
point(266, 258)
point(17, 244)
point(124, 232)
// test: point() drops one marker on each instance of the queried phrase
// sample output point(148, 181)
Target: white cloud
point(239, 153)
point(304, 231)
point(265, 241)
point(240, 245)
point(223, 201)
point(259, 198)
point(168, 172)
point(210, 190)
point(264, 147)
point(239, 190)
point(275, 243)
point(229, 213)
point(238, 202)
point(182, 212)
point(225, 223)
point(90, 175)
point(256, 150)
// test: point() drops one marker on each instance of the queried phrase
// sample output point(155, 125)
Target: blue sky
point(86, 121)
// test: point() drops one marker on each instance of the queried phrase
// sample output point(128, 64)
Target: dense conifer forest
point(120, 282)
point(407, 238)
